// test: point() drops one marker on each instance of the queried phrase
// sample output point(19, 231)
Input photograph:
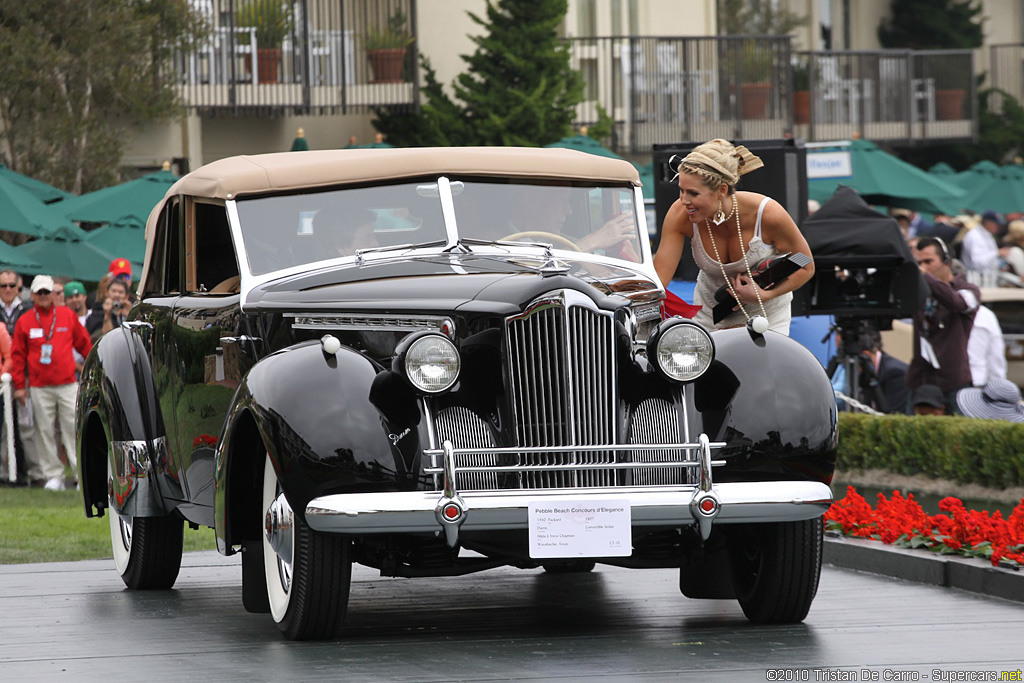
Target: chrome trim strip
point(362, 321)
point(624, 447)
point(414, 511)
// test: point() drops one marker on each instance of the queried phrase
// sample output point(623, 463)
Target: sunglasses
point(44, 292)
point(9, 285)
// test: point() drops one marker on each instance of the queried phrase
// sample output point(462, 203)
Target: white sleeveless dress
point(710, 279)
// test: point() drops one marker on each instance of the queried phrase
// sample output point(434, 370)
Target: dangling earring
point(719, 216)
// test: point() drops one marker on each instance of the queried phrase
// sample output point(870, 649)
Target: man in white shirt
point(986, 349)
point(979, 250)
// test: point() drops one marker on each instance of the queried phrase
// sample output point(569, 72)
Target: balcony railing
point(322, 65)
point(671, 89)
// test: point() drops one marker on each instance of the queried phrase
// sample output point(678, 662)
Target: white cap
point(42, 282)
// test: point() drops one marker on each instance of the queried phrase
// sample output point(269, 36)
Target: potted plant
point(273, 21)
point(755, 68)
point(386, 48)
point(801, 92)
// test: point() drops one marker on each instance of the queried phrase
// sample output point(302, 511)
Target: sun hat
point(999, 399)
point(74, 287)
point(929, 395)
point(42, 282)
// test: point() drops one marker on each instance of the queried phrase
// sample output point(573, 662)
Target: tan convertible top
point(234, 176)
point(241, 175)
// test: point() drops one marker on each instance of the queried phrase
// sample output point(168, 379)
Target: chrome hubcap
point(279, 527)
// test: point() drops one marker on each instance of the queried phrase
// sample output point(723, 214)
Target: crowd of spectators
point(47, 333)
point(959, 362)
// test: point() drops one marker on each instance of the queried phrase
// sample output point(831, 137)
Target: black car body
point(439, 361)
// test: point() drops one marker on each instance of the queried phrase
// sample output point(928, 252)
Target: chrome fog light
point(431, 363)
point(681, 350)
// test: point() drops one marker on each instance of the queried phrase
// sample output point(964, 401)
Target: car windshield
point(285, 231)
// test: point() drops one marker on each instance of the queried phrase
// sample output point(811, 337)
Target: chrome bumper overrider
point(697, 505)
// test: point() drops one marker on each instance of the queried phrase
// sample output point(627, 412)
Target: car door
point(206, 318)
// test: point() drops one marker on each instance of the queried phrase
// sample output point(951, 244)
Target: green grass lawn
point(37, 525)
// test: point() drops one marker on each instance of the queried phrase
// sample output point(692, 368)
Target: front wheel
point(308, 573)
point(147, 550)
point(776, 568)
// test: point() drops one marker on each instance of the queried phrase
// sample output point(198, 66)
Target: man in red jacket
point(43, 340)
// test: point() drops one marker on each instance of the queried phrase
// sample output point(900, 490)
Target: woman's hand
point(748, 292)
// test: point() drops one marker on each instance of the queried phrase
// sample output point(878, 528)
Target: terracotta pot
point(267, 60)
point(387, 64)
point(949, 105)
point(755, 99)
point(801, 106)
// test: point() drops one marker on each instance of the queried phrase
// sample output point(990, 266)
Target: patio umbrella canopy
point(120, 239)
point(65, 254)
point(21, 211)
point(127, 203)
point(942, 169)
point(883, 179)
point(1003, 193)
point(585, 143)
point(40, 190)
point(11, 258)
point(978, 174)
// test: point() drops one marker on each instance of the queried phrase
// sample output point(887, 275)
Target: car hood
point(473, 284)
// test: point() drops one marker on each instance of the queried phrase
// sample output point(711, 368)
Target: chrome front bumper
point(449, 510)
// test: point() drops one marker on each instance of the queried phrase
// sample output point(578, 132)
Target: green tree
point(932, 24)
point(78, 75)
point(518, 89)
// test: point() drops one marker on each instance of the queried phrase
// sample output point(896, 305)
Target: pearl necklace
point(728, 282)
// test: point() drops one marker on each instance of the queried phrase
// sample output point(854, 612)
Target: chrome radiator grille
point(561, 369)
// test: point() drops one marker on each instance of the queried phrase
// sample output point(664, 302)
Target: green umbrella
point(978, 174)
point(883, 179)
point(65, 254)
point(1003, 193)
point(585, 143)
point(942, 169)
point(40, 190)
point(127, 203)
point(11, 258)
point(21, 211)
point(124, 240)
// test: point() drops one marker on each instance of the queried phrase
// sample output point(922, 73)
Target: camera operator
point(111, 312)
point(881, 379)
point(943, 325)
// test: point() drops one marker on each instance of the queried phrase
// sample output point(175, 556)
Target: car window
point(291, 230)
point(164, 274)
point(596, 220)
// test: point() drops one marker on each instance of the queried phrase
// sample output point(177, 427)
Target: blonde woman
point(732, 233)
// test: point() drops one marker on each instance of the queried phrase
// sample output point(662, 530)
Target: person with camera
point(942, 327)
point(111, 312)
point(732, 233)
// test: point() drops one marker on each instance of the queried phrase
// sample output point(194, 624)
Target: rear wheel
point(147, 550)
point(308, 573)
point(776, 568)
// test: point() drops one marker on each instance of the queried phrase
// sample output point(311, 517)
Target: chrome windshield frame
point(250, 281)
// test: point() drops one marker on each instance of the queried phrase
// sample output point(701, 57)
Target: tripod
point(855, 338)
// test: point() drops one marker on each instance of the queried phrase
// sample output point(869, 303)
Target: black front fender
point(770, 400)
point(119, 423)
point(314, 415)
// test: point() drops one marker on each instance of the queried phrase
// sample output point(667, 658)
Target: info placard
point(580, 528)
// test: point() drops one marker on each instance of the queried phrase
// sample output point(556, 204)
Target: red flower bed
point(955, 530)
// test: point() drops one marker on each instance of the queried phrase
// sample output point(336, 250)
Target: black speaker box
point(783, 178)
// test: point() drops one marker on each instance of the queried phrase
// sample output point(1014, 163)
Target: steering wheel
point(540, 234)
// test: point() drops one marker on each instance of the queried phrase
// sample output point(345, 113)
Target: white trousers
point(54, 405)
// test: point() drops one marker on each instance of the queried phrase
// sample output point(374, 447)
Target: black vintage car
point(440, 361)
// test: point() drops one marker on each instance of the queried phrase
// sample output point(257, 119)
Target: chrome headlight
point(430, 362)
point(680, 349)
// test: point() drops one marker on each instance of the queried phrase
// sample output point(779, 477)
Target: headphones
point(940, 246)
